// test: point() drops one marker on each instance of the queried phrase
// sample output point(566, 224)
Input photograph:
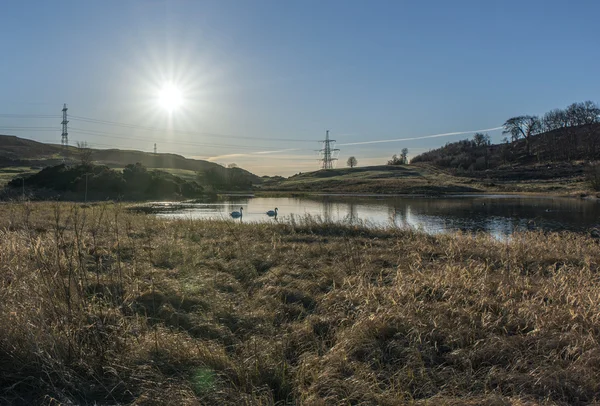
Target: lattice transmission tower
point(65, 134)
point(328, 152)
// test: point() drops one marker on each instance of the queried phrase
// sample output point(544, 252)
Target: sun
point(170, 97)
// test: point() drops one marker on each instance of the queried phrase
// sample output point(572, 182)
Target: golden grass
point(103, 306)
point(421, 178)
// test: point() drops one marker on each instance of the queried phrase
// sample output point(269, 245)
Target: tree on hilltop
point(481, 139)
point(404, 155)
point(522, 127)
point(351, 162)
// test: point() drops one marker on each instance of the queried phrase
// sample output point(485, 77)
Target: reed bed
point(102, 306)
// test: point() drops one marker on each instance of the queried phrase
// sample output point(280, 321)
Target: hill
point(561, 178)
point(549, 154)
point(561, 145)
point(24, 153)
point(404, 179)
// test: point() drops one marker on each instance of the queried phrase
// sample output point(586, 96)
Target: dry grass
point(102, 306)
point(423, 178)
point(404, 179)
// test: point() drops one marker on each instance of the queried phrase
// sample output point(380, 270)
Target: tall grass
point(103, 306)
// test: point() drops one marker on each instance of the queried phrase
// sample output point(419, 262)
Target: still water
point(497, 214)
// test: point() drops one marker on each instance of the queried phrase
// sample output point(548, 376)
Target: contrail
point(356, 143)
point(420, 138)
point(212, 158)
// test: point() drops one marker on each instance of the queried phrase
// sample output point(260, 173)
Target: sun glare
point(170, 97)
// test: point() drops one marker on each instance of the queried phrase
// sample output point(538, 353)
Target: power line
point(19, 128)
point(162, 141)
point(30, 116)
point(163, 129)
point(149, 128)
point(327, 151)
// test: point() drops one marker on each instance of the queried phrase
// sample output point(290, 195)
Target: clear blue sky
point(277, 74)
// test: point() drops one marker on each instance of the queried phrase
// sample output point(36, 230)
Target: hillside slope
point(13, 148)
point(21, 152)
point(427, 179)
point(403, 179)
point(563, 147)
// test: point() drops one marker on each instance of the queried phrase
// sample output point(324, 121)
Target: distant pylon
point(65, 134)
point(327, 152)
point(155, 149)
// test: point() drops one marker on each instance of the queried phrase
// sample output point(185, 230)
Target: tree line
point(573, 116)
point(558, 135)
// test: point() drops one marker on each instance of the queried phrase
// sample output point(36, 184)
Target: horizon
point(258, 83)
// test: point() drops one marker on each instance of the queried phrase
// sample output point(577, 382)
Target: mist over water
point(496, 214)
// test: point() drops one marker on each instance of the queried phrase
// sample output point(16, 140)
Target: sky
point(261, 81)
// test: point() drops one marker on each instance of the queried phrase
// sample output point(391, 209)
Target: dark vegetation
point(135, 182)
point(352, 162)
point(399, 160)
point(230, 179)
point(103, 307)
point(20, 152)
point(558, 137)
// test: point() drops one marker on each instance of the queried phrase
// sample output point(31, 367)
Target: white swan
point(237, 214)
point(272, 213)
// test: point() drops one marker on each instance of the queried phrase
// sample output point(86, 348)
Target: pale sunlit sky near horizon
point(255, 76)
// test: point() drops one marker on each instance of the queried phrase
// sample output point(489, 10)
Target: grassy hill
point(556, 161)
point(427, 179)
point(18, 155)
point(375, 179)
point(16, 148)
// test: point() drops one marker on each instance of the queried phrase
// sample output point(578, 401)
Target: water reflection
point(497, 214)
point(352, 214)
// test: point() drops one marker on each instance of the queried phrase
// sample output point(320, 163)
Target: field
point(375, 179)
point(184, 174)
point(426, 179)
point(104, 306)
point(8, 173)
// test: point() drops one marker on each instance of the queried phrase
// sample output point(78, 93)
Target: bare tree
point(85, 152)
point(351, 162)
point(587, 112)
point(522, 126)
point(395, 160)
point(554, 119)
point(481, 139)
point(591, 112)
point(404, 155)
